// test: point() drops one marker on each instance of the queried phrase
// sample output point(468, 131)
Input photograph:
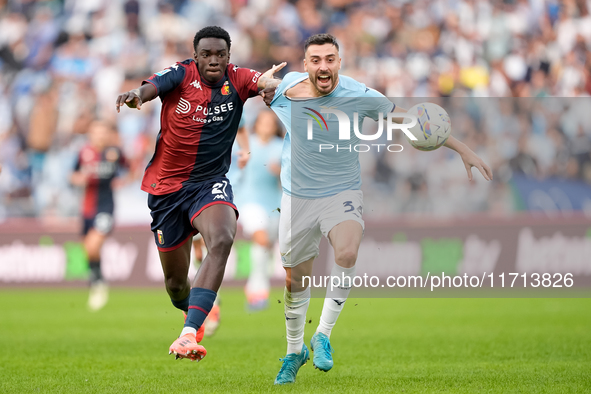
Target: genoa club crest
point(160, 237)
point(226, 89)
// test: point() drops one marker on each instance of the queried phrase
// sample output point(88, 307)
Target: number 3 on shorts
point(349, 206)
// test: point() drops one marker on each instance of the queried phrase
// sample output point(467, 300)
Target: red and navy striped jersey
point(199, 122)
point(101, 168)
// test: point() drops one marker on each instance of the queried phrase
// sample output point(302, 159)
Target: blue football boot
point(320, 345)
point(291, 365)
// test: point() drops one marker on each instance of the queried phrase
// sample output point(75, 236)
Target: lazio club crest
point(226, 88)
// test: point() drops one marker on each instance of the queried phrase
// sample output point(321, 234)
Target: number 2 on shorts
point(217, 186)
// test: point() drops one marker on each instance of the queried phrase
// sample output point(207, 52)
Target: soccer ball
point(433, 126)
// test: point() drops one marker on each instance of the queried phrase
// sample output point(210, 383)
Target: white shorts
point(253, 218)
point(303, 222)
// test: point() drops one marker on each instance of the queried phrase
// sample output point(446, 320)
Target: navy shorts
point(101, 222)
point(173, 214)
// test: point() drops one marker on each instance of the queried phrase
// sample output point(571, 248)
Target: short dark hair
point(321, 39)
point(212, 32)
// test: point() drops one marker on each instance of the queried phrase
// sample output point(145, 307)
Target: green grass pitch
point(50, 343)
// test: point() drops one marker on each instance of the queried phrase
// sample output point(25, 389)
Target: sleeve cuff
point(153, 84)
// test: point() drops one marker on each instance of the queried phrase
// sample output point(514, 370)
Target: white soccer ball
point(433, 126)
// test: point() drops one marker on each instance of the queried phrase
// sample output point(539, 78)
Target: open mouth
point(324, 80)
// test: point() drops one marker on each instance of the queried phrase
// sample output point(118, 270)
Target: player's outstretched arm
point(398, 109)
point(469, 158)
point(136, 97)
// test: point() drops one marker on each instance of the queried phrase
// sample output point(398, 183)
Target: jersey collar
point(294, 83)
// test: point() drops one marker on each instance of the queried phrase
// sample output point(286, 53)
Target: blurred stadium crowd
point(63, 63)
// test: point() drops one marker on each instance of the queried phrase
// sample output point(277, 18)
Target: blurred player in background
point(329, 202)
point(98, 164)
point(202, 102)
point(260, 196)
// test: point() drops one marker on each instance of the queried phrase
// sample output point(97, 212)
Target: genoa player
point(202, 102)
point(97, 165)
point(324, 196)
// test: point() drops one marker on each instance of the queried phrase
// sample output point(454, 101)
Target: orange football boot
point(187, 347)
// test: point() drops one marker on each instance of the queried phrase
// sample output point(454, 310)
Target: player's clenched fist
point(132, 99)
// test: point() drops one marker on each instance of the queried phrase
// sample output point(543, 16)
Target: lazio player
point(321, 193)
point(260, 196)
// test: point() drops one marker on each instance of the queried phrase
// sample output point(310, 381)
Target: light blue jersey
point(259, 185)
point(309, 167)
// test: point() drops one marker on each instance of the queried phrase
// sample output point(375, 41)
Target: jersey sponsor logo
point(160, 237)
point(196, 84)
point(105, 169)
point(218, 109)
point(100, 169)
point(200, 120)
point(183, 107)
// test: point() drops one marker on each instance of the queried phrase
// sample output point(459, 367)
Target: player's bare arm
point(468, 156)
point(136, 97)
